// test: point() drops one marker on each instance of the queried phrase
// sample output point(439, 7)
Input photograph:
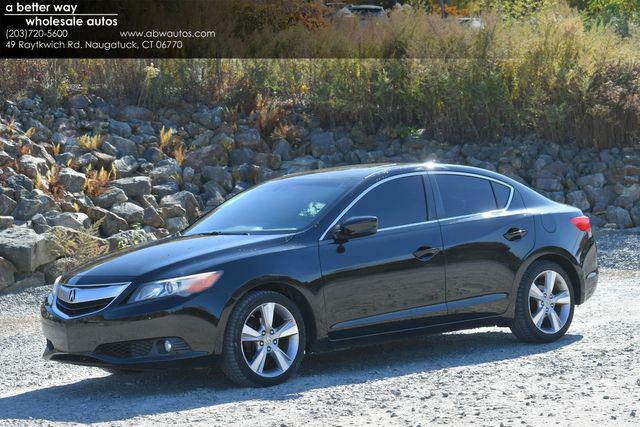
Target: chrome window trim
point(364, 192)
point(102, 291)
point(426, 172)
point(473, 175)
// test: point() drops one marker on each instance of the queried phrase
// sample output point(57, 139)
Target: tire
point(242, 350)
point(532, 305)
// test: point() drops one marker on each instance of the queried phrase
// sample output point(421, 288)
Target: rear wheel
point(264, 340)
point(544, 304)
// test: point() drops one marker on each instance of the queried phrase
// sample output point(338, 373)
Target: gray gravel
point(482, 376)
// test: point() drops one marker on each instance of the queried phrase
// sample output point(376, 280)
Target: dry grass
point(81, 246)
point(166, 137)
point(91, 142)
point(98, 181)
point(179, 154)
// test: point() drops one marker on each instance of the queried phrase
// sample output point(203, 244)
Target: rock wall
point(111, 176)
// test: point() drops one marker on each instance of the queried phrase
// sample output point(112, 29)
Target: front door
point(391, 280)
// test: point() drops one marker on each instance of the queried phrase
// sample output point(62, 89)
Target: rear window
point(502, 193)
point(465, 195)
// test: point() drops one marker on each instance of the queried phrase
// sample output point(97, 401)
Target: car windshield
point(284, 206)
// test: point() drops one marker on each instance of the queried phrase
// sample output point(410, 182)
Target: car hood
point(174, 256)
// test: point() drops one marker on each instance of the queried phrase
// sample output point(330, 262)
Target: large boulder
point(72, 180)
point(152, 217)
point(322, 143)
point(73, 220)
point(133, 112)
point(130, 212)
point(596, 180)
point(628, 196)
point(32, 166)
point(128, 238)
point(7, 204)
point(37, 202)
point(79, 101)
point(7, 272)
point(125, 166)
point(20, 182)
point(250, 138)
point(579, 199)
point(110, 197)
point(110, 223)
point(134, 186)
point(186, 200)
point(121, 129)
point(57, 268)
point(212, 155)
point(123, 146)
point(220, 175)
point(619, 216)
point(165, 173)
point(26, 249)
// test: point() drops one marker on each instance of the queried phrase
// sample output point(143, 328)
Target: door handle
point(425, 253)
point(515, 234)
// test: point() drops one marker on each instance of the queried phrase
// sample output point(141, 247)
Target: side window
point(502, 193)
point(400, 201)
point(465, 195)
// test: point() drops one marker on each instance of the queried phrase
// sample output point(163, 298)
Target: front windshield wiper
point(220, 233)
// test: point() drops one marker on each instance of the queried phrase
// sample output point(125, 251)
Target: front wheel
point(264, 340)
point(544, 304)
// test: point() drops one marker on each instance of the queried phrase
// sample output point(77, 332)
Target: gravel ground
point(483, 376)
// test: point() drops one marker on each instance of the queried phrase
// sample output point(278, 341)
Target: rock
point(29, 280)
point(127, 239)
point(32, 166)
point(578, 199)
point(7, 272)
point(20, 182)
point(186, 200)
point(225, 140)
point(7, 204)
point(38, 202)
point(210, 119)
point(322, 143)
point(171, 211)
point(153, 154)
point(165, 174)
point(176, 224)
point(121, 129)
point(620, 216)
point(635, 215)
point(79, 101)
point(26, 249)
point(548, 184)
point(219, 175)
point(6, 222)
point(57, 268)
point(628, 196)
point(67, 242)
point(125, 166)
point(152, 217)
point(250, 138)
point(71, 180)
point(110, 223)
point(599, 198)
point(133, 186)
point(128, 211)
point(123, 146)
point(241, 156)
point(596, 180)
point(110, 197)
point(212, 155)
point(301, 164)
point(87, 159)
point(39, 224)
point(282, 148)
point(165, 189)
point(132, 112)
point(73, 220)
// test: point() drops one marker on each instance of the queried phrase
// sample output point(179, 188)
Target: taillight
point(582, 222)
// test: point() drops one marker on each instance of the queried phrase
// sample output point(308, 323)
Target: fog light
point(167, 346)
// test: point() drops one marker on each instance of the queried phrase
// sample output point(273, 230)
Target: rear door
point(486, 232)
point(393, 279)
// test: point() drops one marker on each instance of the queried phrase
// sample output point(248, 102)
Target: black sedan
point(328, 259)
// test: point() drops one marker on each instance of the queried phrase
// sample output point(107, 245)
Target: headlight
point(182, 286)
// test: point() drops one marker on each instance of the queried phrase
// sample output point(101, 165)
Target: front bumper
point(131, 335)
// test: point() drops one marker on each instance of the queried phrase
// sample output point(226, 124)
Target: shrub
point(91, 142)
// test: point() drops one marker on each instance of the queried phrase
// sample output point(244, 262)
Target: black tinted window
point(396, 202)
point(502, 193)
point(465, 195)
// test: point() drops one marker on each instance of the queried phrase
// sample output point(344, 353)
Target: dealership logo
point(72, 295)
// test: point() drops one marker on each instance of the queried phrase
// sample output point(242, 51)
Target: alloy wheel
point(270, 339)
point(549, 302)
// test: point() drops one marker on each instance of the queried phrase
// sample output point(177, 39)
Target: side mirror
point(357, 226)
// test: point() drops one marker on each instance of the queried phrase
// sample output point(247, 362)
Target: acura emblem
point(72, 295)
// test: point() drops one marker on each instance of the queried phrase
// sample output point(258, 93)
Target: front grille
point(83, 307)
point(142, 348)
point(126, 349)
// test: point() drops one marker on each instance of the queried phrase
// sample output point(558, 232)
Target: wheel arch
point(559, 256)
point(283, 286)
